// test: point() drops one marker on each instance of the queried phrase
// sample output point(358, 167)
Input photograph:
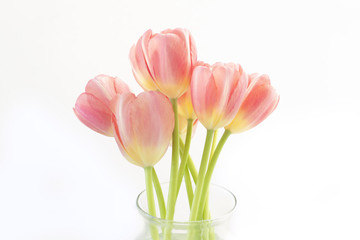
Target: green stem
point(189, 188)
point(183, 165)
point(170, 211)
point(202, 171)
point(185, 154)
point(174, 165)
point(190, 164)
point(207, 214)
point(159, 194)
point(150, 201)
point(210, 169)
point(213, 145)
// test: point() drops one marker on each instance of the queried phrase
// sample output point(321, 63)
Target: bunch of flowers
point(180, 91)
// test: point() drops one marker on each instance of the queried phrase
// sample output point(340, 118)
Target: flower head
point(260, 101)
point(164, 61)
point(93, 106)
point(143, 126)
point(217, 92)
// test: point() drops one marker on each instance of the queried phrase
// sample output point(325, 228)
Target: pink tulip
point(143, 126)
point(93, 106)
point(164, 61)
point(260, 100)
point(217, 92)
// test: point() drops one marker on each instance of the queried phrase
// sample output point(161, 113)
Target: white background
point(296, 176)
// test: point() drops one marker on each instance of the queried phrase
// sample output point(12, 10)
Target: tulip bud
point(143, 126)
point(93, 106)
point(164, 61)
point(259, 102)
point(217, 92)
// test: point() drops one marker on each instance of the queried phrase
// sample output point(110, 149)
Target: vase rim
point(213, 221)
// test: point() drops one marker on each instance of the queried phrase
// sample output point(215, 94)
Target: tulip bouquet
point(180, 91)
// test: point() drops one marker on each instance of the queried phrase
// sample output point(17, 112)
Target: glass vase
point(221, 205)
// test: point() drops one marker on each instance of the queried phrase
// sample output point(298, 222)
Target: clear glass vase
point(221, 205)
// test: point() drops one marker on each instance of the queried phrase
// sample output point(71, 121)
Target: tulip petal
point(238, 90)
point(120, 86)
point(105, 87)
point(140, 68)
point(193, 50)
point(185, 106)
point(94, 114)
point(120, 143)
point(201, 79)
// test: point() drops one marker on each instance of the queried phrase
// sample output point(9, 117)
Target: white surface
point(296, 175)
